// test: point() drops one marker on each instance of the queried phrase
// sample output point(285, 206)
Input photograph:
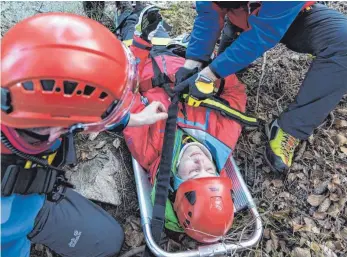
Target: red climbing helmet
point(61, 69)
point(205, 208)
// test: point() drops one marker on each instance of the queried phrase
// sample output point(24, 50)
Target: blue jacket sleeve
point(267, 29)
point(207, 28)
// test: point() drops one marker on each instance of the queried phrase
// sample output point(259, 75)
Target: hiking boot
point(148, 21)
point(280, 150)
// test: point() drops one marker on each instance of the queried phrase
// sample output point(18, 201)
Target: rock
point(301, 252)
point(95, 179)
point(315, 200)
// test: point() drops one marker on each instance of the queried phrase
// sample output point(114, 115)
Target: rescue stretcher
point(242, 200)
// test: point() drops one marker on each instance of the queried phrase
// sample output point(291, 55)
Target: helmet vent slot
point(191, 197)
point(47, 84)
point(28, 85)
point(88, 90)
point(69, 87)
point(103, 95)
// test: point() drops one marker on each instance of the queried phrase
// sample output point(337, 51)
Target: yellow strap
point(196, 103)
point(193, 102)
point(51, 157)
point(28, 165)
point(159, 41)
point(128, 42)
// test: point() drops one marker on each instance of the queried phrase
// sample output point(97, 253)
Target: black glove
point(200, 88)
point(183, 73)
point(150, 21)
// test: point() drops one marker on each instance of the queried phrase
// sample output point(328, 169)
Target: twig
point(260, 81)
point(134, 251)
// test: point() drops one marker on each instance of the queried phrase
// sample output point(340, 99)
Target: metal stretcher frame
point(144, 188)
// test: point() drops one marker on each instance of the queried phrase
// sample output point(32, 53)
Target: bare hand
point(151, 114)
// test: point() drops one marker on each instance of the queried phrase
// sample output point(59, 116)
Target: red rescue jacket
point(145, 143)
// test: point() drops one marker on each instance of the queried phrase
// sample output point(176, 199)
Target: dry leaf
point(343, 233)
point(315, 247)
point(340, 139)
point(334, 197)
point(301, 151)
point(297, 227)
point(266, 233)
point(83, 156)
point(256, 138)
point(100, 145)
point(281, 214)
point(334, 210)
point(315, 200)
point(321, 188)
point(319, 215)
point(340, 123)
point(285, 195)
point(342, 111)
point(336, 179)
point(133, 237)
point(327, 252)
point(93, 135)
point(269, 246)
point(274, 239)
point(116, 143)
point(332, 187)
point(91, 155)
point(283, 246)
point(324, 206)
point(277, 183)
point(266, 184)
point(301, 252)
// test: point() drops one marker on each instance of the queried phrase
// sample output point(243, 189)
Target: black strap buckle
point(17, 180)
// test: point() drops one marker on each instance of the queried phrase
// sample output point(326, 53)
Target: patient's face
point(195, 164)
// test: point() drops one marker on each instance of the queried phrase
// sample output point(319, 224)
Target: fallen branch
point(134, 251)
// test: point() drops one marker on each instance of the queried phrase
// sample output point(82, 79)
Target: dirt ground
point(304, 213)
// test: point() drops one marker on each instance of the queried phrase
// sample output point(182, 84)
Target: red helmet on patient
point(204, 207)
point(63, 70)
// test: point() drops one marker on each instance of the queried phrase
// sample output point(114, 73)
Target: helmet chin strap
point(34, 135)
point(37, 160)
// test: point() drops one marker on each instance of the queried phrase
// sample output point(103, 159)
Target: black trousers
point(76, 227)
point(321, 32)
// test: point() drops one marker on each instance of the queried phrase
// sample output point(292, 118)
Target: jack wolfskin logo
point(75, 239)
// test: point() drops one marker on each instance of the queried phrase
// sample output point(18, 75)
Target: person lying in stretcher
point(200, 198)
